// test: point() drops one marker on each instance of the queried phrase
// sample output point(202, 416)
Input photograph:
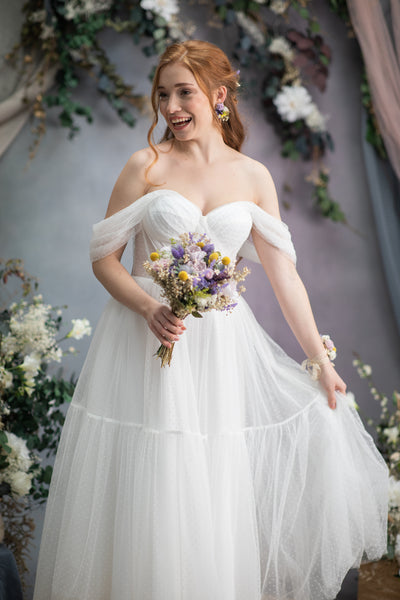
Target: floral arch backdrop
point(280, 37)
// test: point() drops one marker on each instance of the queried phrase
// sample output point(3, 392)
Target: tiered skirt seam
point(190, 432)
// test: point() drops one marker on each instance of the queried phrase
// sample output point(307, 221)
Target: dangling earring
point(222, 111)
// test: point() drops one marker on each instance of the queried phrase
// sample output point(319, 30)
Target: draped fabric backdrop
point(47, 209)
point(377, 26)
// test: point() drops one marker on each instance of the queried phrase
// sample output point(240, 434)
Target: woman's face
point(183, 104)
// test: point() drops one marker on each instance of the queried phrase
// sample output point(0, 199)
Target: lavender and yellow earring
point(222, 111)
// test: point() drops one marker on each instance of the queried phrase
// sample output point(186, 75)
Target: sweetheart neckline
point(196, 207)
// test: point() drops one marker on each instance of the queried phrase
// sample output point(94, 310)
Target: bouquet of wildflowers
point(388, 443)
point(194, 278)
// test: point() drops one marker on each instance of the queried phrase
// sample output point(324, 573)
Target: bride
point(232, 474)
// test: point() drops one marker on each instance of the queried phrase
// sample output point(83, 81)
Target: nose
point(173, 105)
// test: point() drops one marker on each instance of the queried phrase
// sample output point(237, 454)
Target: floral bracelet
point(313, 365)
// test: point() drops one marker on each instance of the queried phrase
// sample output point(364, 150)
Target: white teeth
point(182, 120)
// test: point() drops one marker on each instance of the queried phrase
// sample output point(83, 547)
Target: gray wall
point(47, 211)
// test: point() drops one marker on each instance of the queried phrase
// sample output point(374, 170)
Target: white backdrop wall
point(47, 211)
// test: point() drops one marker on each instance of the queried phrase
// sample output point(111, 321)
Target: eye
point(185, 92)
point(162, 95)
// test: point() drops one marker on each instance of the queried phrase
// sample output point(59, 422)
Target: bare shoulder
point(131, 183)
point(262, 185)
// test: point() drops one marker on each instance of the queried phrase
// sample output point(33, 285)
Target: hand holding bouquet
point(194, 278)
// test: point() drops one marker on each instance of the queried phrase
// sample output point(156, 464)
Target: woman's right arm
point(113, 275)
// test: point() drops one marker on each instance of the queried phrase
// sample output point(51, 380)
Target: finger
point(170, 327)
point(174, 320)
point(160, 337)
point(165, 333)
point(332, 399)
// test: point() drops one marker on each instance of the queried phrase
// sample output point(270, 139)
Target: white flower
point(164, 8)
point(280, 45)
point(392, 434)
point(351, 400)
point(251, 28)
point(31, 330)
point(278, 6)
point(20, 483)
point(367, 370)
point(202, 303)
point(80, 327)
point(395, 457)
point(6, 378)
point(293, 102)
point(384, 401)
point(31, 364)
point(37, 16)
point(316, 121)
point(85, 7)
point(394, 493)
point(19, 458)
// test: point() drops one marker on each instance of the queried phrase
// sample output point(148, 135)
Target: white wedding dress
point(225, 476)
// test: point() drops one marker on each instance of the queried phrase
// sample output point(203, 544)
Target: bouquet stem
point(165, 354)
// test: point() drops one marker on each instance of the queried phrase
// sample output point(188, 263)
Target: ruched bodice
point(159, 215)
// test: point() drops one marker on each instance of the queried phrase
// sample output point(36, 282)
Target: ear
point(220, 94)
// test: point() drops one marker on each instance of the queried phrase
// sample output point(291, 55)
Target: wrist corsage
point(313, 365)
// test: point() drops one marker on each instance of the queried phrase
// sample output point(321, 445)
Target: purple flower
point(208, 273)
point(177, 251)
point(208, 248)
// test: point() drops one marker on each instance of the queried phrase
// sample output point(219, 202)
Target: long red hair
point(211, 68)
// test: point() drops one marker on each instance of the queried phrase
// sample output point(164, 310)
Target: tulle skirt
point(225, 476)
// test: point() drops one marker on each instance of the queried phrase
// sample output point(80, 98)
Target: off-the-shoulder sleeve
point(115, 231)
point(273, 231)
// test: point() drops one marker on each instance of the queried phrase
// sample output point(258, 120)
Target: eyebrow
point(176, 85)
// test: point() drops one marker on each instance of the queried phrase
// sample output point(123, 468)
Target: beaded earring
point(222, 111)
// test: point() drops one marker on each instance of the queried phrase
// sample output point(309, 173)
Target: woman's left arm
point(292, 295)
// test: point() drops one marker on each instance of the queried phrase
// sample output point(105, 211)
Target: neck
point(206, 149)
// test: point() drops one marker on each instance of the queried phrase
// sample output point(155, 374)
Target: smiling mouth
point(181, 122)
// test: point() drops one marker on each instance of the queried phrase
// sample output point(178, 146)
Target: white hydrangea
point(278, 6)
point(251, 28)
point(165, 8)
point(18, 459)
point(80, 327)
point(280, 45)
point(20, 483)
point(392, 434)
point(293, 103)
point(394, 493)
point(315, 120)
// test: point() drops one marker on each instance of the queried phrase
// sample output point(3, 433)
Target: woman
point(232, 474)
